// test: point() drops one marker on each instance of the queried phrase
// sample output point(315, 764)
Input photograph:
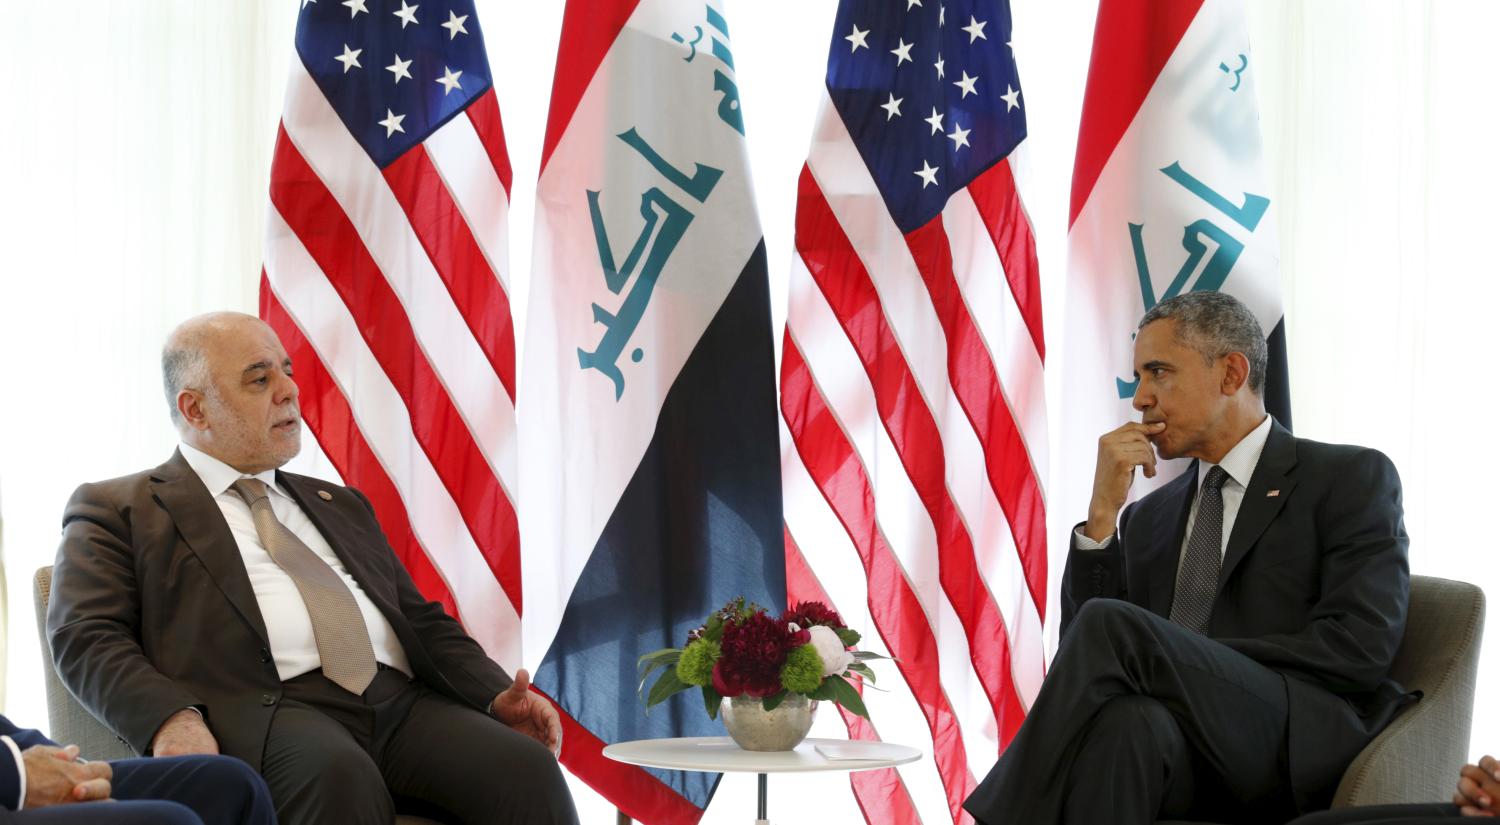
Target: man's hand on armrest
point(183, 733)
point(55, 776)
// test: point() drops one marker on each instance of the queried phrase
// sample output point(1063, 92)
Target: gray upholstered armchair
point(67, 721)
point(1417, 758)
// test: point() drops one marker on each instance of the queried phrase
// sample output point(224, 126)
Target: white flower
point(835, 658)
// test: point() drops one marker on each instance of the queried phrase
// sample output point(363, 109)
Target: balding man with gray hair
point(217, 604)
point(1227, 640)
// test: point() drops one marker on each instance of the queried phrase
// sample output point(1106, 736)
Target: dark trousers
point(1433, 814)
point(179, 790)
point(1140, 720)
point(332, 756)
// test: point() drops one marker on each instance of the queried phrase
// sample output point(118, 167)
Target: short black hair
point(1216, 324)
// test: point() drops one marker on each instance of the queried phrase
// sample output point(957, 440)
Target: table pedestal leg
point(760, 800)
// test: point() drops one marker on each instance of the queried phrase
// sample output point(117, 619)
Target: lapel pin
point(1273, 494)
point(327, 496)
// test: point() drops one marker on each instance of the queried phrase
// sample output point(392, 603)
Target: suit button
point(265, 655)
point(267, 699)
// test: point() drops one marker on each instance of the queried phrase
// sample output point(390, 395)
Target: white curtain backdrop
point(1381, 137)
point(136, 140)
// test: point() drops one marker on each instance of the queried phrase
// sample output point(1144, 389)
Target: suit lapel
point(201, 525)
point(1168, 524)
point(305, 492)
point(1260, 505)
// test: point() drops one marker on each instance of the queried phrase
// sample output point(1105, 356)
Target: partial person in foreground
point(1227, 640)
point(1477, 794)
point(217, 604)
point(43, 782)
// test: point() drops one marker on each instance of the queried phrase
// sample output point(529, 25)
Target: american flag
point(385, 277)
point(914, 451)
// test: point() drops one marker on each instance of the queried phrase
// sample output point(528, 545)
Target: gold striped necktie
point(338, 625)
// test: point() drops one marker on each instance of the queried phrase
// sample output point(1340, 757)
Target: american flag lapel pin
point(1273, 493)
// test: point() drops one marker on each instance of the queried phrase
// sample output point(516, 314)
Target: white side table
point(719, 754)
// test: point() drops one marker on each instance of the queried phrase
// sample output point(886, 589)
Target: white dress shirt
point(288, 624)
point(1239, 464)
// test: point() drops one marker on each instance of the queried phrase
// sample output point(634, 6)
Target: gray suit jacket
point(152, 610)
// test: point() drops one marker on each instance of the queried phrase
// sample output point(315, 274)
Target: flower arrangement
point(740, 650)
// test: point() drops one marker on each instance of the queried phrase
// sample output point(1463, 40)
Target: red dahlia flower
point(807, 614)
point(752, 653)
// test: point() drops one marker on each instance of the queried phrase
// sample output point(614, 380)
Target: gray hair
point(1216, 324)
point(185, 362)
point(183, 366)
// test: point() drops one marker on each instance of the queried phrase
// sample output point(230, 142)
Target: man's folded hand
point(54, 776)
point(1479, 788)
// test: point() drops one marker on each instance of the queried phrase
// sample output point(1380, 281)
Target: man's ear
point(1236, 373)
point(190, 407)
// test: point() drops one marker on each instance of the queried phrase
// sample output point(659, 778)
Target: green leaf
point(666, 658)
point(825, 693)
point(847, 697)
point(863, 670)
point(640, 688)
point(665, 687)
point(868, 655)
point(850, 638)
point(714, 629)
point(661, 658)
point(665, 653)
point(773, 701)
point(711, 701)
point(651, 662)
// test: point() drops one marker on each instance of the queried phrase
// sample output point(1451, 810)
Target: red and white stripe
point(388, 288)
point(914, 461)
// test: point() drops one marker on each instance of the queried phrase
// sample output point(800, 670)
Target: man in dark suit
point(1226, 649)
point(216, 604)
point(41, 782)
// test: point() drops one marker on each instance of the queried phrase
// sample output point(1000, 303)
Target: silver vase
point(754, 728)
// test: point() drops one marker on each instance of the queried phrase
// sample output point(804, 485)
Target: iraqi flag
point(1169, 196)
point(650, 491)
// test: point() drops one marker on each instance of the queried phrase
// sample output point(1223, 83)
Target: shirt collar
point(1239, 463)
point(218, 476)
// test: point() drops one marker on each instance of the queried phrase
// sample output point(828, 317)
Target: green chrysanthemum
point(803, 671)
point(696, 665)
